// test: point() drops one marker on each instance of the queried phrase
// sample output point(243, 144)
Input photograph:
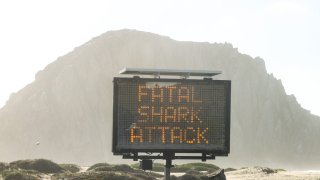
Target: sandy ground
point(258, 173)
point(252, 173)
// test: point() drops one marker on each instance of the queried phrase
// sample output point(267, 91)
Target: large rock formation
point(68, 108)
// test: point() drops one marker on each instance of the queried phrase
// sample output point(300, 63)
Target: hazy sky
point(286, 34)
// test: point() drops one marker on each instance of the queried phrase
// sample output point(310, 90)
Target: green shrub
point(194, 166)
point(116, 176)
point(41, 165)
point(97, 175)
point(135, 165)
point(194, 172)
point(143, 176)
point(156, 167)
point(173, 177)
point(155, 175)
point(107, 167)
point(159, 167)
point(189, 177)
point(201, 166)
point(70, 167)
point(3, 166)
point(103, 168)
point(280, 170)
point(229, 169)
point(268, 170)
point(123, 167)
point(19, 175)
point(179, 168)
point(98, 165)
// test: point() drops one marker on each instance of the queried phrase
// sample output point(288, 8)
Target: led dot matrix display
point(156, 115)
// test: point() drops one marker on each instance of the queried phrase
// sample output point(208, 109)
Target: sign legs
point(168, 166)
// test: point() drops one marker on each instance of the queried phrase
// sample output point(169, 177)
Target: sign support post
point(168, 166)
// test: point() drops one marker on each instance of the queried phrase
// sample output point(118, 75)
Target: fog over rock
point(68, 108)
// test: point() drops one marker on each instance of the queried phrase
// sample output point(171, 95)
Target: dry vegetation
point(42, 168)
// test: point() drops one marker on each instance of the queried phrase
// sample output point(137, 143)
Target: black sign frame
point(120, 151)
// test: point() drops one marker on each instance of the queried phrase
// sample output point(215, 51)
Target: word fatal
point(168, 114)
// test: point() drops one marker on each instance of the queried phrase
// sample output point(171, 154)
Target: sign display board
point(179, 115)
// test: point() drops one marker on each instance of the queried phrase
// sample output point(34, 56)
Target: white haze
point(284, 33)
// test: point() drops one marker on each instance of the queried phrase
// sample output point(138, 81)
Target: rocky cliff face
point(68, 108)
